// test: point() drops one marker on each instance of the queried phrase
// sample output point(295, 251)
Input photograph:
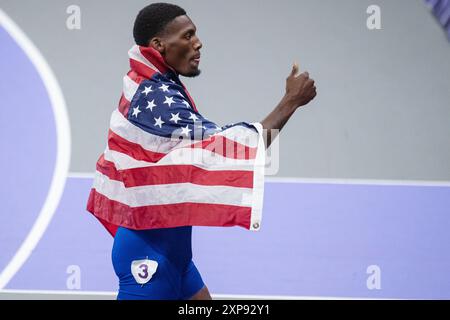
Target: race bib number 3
point(143, 270)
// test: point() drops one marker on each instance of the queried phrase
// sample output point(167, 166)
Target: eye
point(188, 36)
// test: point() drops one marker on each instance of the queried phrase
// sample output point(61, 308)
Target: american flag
point(165, 165)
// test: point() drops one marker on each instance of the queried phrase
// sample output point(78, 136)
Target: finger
point(294, 69)
point(309, 83)
point(305, 75)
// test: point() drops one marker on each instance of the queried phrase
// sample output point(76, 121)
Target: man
point(147, 192)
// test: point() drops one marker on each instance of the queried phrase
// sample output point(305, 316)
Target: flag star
point(164, 88)
point(136, 111)
point(158, 122)
point(185, 130)
point(178, 92)
point(218, 128)
point(193, 117)
point(175, 117)
point(151, 105)
point(172, 81)
point(169, 100)
point(186, 103)
point(147, 90)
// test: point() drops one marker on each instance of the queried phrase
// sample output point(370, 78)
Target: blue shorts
point(155, 264)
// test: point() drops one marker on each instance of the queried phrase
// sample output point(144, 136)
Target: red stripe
point(124, 106)
point(227, 148)
point(133, 75)
point(155, 58)
point(168, 215)
point(190, 99)
point(134, 150)
point(142, 69)
point(217, 144)
point(108, 169)
point(111, 228)
point(175, 174)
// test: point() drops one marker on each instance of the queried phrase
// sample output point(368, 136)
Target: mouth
point(196, 58)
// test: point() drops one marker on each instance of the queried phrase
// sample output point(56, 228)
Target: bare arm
point(300, 90)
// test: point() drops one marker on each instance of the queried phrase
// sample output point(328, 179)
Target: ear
point(157, 44)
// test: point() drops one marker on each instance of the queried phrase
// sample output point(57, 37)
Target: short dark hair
point(152, 20)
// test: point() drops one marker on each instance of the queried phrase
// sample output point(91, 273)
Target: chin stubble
point(194, 74)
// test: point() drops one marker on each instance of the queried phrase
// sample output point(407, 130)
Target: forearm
point(276, 120)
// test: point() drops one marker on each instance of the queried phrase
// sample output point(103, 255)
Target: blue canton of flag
point(160, 107)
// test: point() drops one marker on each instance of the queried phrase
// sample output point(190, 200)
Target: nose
point(198, 45)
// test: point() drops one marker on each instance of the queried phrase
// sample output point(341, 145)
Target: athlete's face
point(180, 46)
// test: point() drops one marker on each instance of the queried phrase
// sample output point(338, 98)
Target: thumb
point(294, 69)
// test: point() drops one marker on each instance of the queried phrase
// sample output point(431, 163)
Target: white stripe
point(171, 193)
point(127, 130)
point(129, 88)
point(201, 158)
point(258, 182)
point(63, 150)
point(135, 54)
point(242, 135)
